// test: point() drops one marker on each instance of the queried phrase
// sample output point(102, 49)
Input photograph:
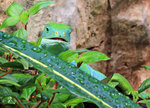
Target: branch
point(6, 73)
point(37, 105)
point(18, 101)
point(54, 87)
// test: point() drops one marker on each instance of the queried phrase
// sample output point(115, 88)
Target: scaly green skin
point(56, 30)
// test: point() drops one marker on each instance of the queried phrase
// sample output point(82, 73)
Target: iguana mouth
point(61, 39)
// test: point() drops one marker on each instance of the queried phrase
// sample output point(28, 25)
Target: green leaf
point(61, 97)
point(113, 84)
point(124, 85)
point(24, 17)
point(22, 33)
point(146, 67)
point(15, 65)
point(3, 60)
point(38, 43)
point(1, 53)
point(41, 82)
point(145, 85)
point(8, 100)
point(5, 91)
point(92, 56)
point(70, 77)
point(8, 77)
point(29, 82)
point(57, 105)
point(147, 102)
point(14, 9)
point(9, 82)
point(144, 95)
point(10, 21)
point(2, 49)
point(27, 92)
point(80, 105)
point(68, 55)
point(23, 62)
point(32, 42)
point(80, 50)
point(75, 101)
point(38, 6)
point(22, 78)
point(48, 93)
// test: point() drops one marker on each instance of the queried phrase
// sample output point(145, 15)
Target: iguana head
point(56, 38)
point(57, 31)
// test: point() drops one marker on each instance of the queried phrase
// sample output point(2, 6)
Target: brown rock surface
point(131, 40)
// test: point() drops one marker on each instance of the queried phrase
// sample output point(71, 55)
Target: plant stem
point(51, 99)
point(54, 87)
point(6, 73)
point(79, 64)
point(10, 56)
point(18, 101)
point(24, 26)
point(37, 105)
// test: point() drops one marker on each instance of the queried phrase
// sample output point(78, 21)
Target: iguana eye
point(56, 33)
point(47, 29)
point(64, 34)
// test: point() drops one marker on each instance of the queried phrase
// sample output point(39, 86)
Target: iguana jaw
point(60, 39)
point(57, 38)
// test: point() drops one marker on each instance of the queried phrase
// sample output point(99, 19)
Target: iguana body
point(56, 38)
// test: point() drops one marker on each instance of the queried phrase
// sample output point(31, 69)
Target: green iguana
point(56, 39)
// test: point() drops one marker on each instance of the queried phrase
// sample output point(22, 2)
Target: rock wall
point(119, 28)
point(131, 39)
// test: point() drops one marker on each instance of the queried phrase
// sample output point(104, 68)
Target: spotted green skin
point(72, 78)
point(56, 30)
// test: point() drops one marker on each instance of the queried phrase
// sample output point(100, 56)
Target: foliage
point(41, 90)
point(22, 33)
point(117, 80)
point(17, 13)
point(146, 67)
point(145, 85)
point(75, 80)
point(37, 7)
point(87, 57)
